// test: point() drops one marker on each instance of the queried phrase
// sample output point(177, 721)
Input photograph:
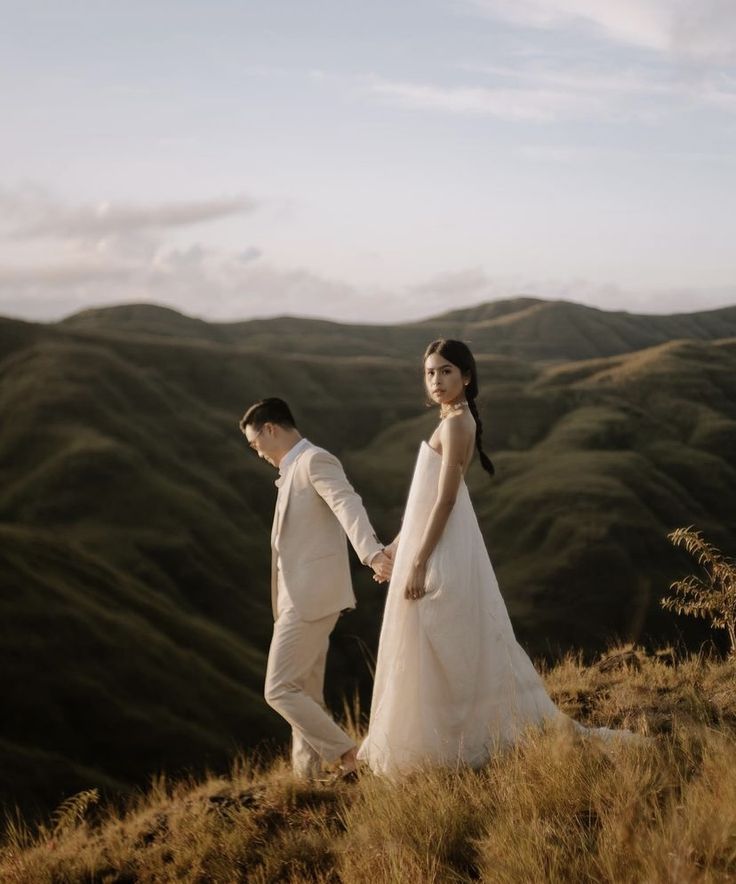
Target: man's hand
point(382, 567)
point(390, 550)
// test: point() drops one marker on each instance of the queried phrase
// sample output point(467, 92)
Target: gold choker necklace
point(452, 409)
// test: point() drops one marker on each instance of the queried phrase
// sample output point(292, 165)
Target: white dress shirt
point(291, 455)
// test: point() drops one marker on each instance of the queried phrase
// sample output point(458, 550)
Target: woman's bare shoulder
point(457, 429)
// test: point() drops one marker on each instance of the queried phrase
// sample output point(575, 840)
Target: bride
point(451, 684)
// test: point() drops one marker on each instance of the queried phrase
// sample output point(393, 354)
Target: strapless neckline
point(434, 450)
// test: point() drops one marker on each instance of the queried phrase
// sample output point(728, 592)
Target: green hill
point(134, 521)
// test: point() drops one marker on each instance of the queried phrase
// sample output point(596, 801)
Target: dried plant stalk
point(711, 596)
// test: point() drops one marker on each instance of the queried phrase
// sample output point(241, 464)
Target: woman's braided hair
point(459, 354)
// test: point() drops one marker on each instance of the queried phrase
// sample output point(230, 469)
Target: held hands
point(415, 587)
point(390, 550)
point(382, 566)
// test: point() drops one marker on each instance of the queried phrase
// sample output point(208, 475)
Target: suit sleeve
point(330, 482)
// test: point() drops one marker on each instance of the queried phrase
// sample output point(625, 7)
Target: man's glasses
point(252, 441)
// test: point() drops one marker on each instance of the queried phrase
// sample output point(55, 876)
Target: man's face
point(263, 441)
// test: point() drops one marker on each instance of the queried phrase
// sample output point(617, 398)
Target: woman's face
point(444, 381)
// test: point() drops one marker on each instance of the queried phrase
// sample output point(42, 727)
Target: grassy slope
point(107, 683)
point(552, 809)
point(122, 474)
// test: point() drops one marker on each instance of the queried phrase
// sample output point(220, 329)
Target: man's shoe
point(342, 776)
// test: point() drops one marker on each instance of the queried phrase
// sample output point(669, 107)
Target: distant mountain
point(553, 330)
point(143, 319)
point(524, 328)
point(134, 521)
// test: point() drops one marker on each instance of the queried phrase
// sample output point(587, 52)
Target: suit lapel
point(282, 501)
point(276, 516)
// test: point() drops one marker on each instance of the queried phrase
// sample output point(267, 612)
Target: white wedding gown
point(452, 684)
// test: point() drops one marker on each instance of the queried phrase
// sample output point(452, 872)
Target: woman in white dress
point(451, 684)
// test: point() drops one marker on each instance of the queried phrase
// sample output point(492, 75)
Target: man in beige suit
point(310, 579)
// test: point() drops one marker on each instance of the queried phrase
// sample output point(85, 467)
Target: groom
point(310, 579)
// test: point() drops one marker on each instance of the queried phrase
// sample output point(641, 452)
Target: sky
point(366, 161)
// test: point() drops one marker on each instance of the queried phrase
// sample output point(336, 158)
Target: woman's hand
point(415, 588)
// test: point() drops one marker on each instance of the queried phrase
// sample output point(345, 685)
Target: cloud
point(59, 275)
point(56, 257)
point(462, 282)
point(219, 284)
point(32, 214)
point(535, 104)
point(216, 284)
point(568, 75)
point(449, 290)
point(649, 85)
point(551, 90)
point(249, 254)
point(705, 30)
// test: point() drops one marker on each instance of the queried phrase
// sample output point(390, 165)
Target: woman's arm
point(454, 435)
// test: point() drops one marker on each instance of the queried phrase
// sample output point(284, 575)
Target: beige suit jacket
point(315, 509)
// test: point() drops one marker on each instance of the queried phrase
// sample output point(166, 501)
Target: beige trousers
point(295, 677)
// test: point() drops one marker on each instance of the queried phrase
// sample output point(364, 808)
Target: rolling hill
point(524, 328)
point(134, 521)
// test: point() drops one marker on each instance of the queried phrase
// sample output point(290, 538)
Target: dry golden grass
point(554, 808)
